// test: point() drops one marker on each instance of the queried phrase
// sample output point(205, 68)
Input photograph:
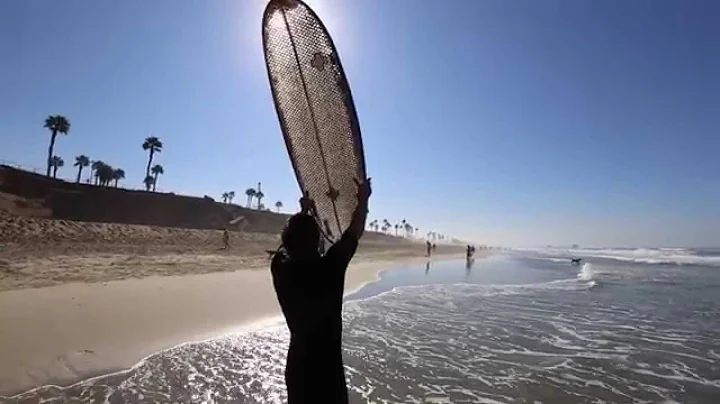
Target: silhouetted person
point(226, 239)
point(429, 248)
point(310, 289)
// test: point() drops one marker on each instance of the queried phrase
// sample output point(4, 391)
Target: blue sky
point(509, 122)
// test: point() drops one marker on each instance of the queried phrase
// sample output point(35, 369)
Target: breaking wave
point(676, 256)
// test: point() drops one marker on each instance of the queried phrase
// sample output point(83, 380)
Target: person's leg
point(294, 383)
point(340, 387)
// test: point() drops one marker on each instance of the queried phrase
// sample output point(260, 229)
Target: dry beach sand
point(83, 299)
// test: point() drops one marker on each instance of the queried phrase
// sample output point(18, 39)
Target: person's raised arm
point(342, 252)
point(359, 217)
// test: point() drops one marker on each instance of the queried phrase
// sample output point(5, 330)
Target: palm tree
point(231, 196)
point(149, 182)
point(56, 124)
point(408, 229)
point(104, 174)
point(397, 226)
point(81, 162)
point(56, 162)
point(404, 226)
point(118, 174)
point(259, 195)
point(154, 145)
point(278, 205)
point(250, 192)
point(156, 170)
point(95, 166)
point(225, 196)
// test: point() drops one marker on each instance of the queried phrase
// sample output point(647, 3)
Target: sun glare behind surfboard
point(330, 11)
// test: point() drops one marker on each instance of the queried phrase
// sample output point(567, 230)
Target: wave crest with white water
point(491, 343)
point(676, 256)
point(587, 274)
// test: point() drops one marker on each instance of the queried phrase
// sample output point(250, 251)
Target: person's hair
point(301, 234)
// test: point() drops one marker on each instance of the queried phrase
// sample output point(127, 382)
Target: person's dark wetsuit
point(310, 288)
point(310, 292)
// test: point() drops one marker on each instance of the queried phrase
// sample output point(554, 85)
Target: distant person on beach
point(226, 238)
point(429, 248)
point(310, 290)
point(434, 246)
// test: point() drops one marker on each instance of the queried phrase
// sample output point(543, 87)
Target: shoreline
point(62, 335)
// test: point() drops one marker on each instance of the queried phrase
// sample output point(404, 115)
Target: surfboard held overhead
point(316, 111)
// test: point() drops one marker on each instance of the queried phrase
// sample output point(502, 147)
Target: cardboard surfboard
point(316, 111)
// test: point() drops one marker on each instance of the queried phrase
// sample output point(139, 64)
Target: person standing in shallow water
point(310, 289)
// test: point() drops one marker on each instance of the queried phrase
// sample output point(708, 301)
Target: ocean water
point(627, 326)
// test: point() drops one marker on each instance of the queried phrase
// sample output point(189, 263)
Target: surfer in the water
point(310, 289)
